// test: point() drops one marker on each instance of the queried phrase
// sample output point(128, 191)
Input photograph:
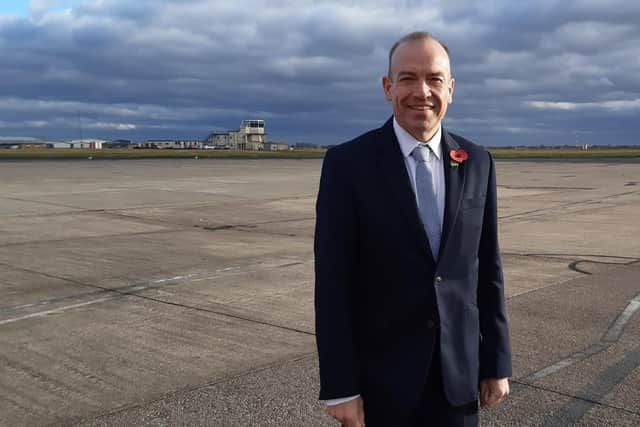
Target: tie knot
point(421, 153)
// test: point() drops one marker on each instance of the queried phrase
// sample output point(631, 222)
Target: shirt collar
point(408, 143)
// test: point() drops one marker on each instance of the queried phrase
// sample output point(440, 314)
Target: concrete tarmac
point(180, 293)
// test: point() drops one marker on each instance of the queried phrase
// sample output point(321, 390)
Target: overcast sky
point(535, 72)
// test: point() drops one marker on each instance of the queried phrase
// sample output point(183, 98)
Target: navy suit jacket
point(380, 296)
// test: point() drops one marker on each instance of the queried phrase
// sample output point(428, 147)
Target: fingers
point(491, 400)
point(349, 421)
point(350, 414)
point(493, 391)
point(485, 395)
point(360, 420)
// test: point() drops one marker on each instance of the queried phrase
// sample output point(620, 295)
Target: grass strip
point(498, 153)
point(78, 153)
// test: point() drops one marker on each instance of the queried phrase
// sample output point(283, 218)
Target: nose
point(425, 89)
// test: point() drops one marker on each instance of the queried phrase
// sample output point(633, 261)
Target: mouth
point(421, 107)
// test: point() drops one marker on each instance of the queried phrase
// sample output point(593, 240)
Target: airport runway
point(180, 293)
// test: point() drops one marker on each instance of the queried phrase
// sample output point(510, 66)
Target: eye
point(436, 82)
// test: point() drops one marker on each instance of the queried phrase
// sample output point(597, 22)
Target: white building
point(95, 144)
point(61, 144)
point(249, 137)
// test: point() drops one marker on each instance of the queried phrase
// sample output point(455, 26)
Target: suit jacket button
point(431, 324)
point(438, 279)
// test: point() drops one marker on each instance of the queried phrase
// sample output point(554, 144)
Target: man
point(410, 314)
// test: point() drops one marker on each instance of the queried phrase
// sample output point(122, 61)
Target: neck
point(424, 136)
point(421, 136)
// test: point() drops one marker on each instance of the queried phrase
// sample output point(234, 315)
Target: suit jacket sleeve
point(335, 246)
point(495, 349)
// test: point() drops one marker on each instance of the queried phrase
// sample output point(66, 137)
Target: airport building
point(249, 137)
point(17, 143)
point(178, 144)
point(94, 144)
point(276, 146)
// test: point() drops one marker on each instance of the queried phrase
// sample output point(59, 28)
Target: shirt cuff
point(332, 402)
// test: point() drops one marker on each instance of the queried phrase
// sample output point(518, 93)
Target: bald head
point(415, 36)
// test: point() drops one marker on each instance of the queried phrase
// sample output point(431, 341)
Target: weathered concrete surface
point(180, 292)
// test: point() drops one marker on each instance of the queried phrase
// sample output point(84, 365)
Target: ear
point(452, 85)
point(386, 86)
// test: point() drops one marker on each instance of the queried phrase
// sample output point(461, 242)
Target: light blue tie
point(427, 202)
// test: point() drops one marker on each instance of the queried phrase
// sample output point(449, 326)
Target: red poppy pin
point(458, 156)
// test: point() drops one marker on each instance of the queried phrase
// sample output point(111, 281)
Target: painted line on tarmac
point(115, 293)
point(615, 331)
point(575, 410)
point(611, 336)
point(131, 290)
point(55, 311)
point(100, 290)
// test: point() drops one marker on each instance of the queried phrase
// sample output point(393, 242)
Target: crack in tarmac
point(213, 383)
point(518, 386)
point(574, 265)
point(562, 206)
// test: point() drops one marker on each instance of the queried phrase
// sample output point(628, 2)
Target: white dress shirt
point(407, 144)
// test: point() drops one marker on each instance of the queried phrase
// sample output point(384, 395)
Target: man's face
point(420, 86)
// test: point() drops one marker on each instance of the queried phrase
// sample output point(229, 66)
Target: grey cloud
point(182, 68)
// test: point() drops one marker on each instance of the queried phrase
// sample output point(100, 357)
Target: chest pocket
point(473, 202)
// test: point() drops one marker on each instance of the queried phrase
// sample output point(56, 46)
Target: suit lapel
point(394, 171)
point(454, 178)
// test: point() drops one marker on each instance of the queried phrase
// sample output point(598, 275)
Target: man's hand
point(493, 391)
point(350, 414)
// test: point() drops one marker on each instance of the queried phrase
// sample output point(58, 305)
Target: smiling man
point(410, 313)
